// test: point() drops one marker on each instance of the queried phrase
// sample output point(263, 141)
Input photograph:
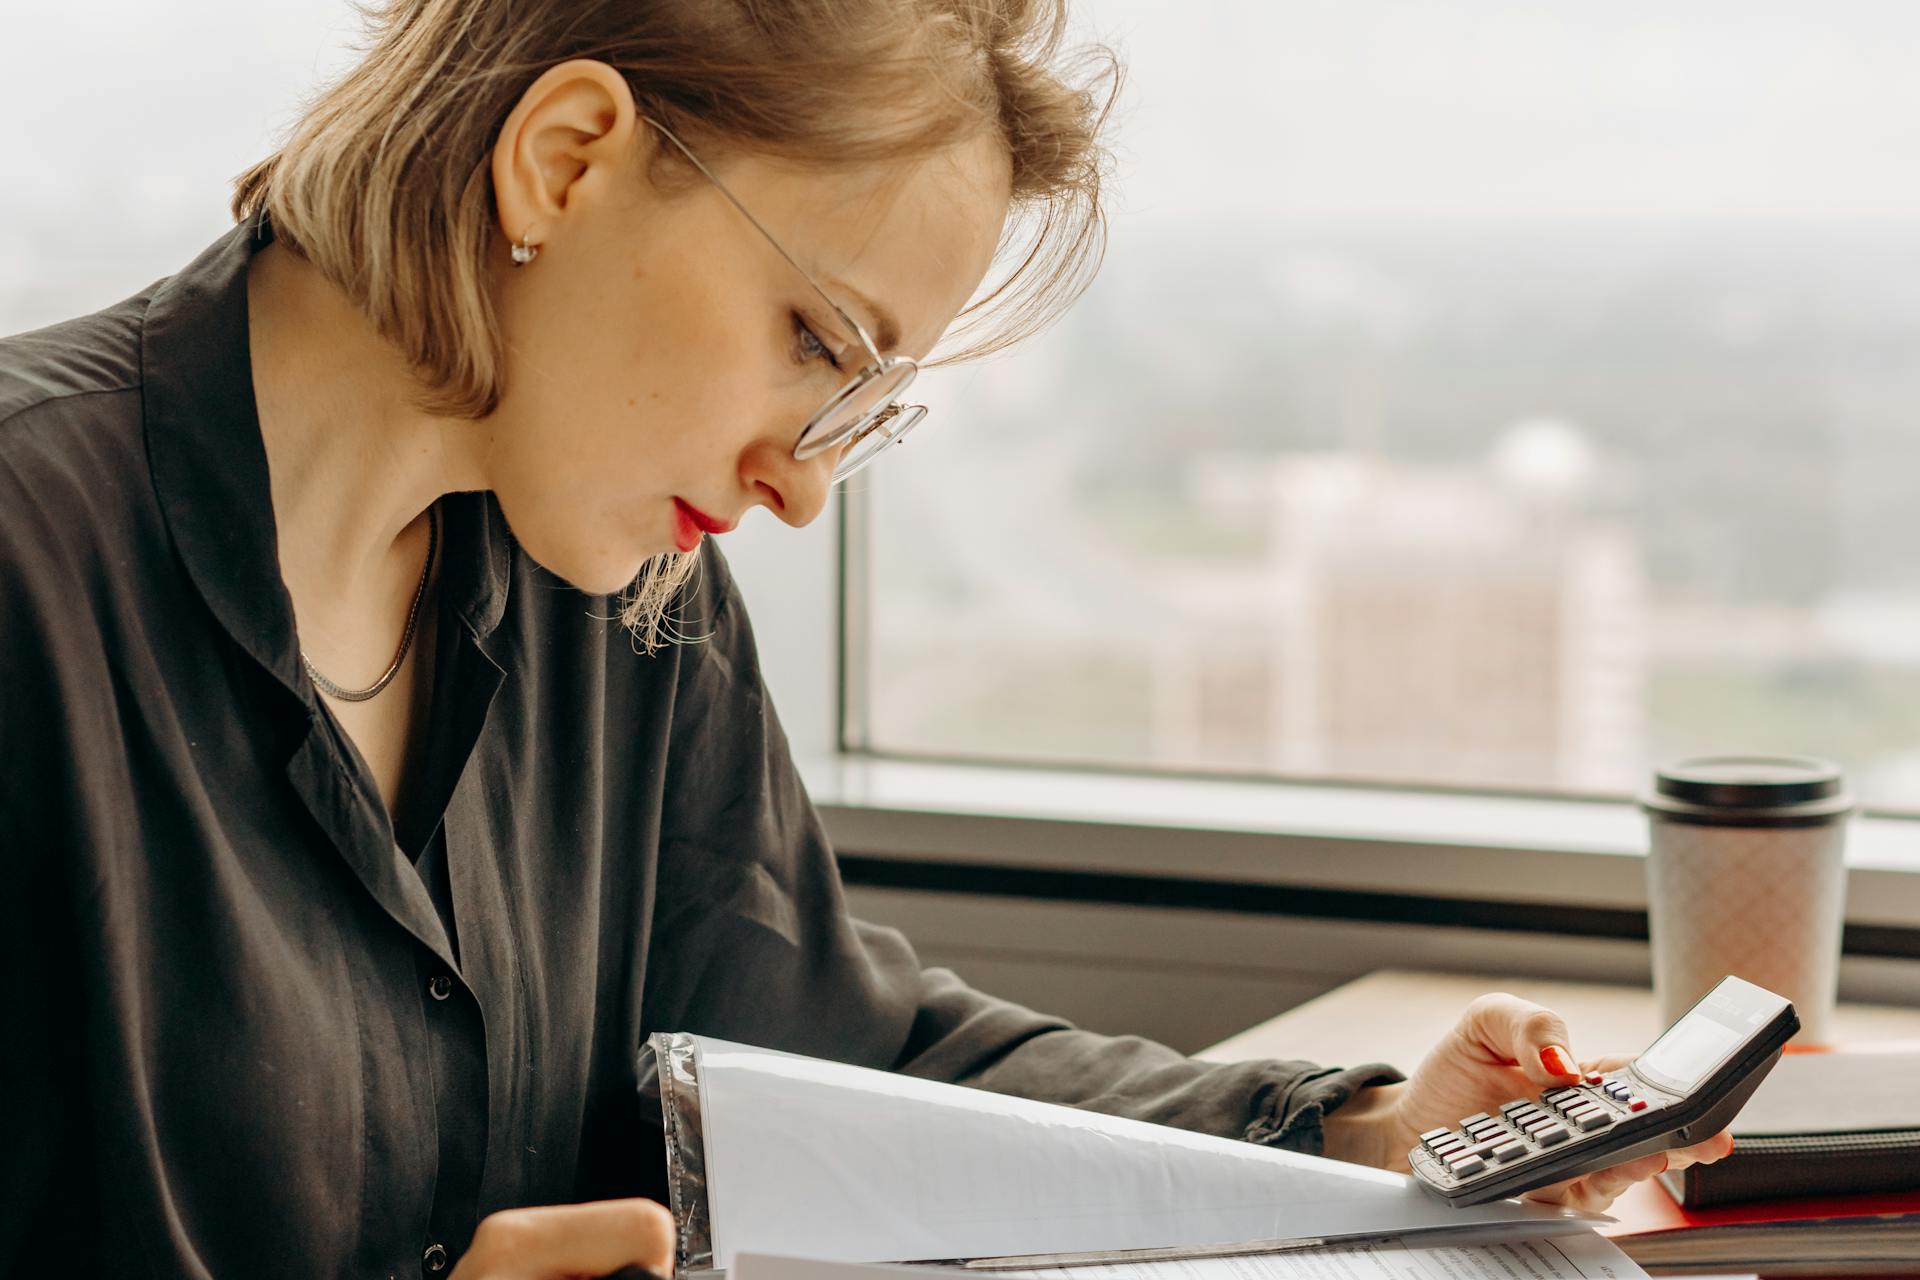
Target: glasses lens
point(853, 407)
point(874, 440)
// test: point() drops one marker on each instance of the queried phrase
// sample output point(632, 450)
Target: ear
point(570, 138)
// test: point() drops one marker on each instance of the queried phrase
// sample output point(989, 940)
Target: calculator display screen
point(1716, 1029)
point(1689, 1051)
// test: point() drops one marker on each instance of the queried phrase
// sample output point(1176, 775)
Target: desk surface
point(1396, 1015)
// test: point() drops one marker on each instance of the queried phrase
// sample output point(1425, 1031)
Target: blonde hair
point(385, 182)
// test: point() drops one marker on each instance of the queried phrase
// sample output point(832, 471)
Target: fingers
point(1718, 1147)
point(570, 1240)
point(1593, 1192)
point(1520, 1033)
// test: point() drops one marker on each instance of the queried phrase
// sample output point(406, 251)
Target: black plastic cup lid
point(1749, 791)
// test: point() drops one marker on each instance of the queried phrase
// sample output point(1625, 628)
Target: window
point(126, 125)
point(1483, 394)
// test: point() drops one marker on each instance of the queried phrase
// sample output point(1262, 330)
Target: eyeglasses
point(863, 418)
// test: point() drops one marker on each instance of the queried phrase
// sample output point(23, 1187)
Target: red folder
point(1647, 1207)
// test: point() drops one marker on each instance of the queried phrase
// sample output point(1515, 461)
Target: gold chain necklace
point(333, 690)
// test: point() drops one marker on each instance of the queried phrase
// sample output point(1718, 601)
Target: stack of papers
point(1853, 1235)
point(1575, 1257)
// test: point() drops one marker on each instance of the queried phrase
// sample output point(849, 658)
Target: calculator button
point(1638, 1104)
point(1509, 1151)
point(1446, 1147)
point(1518, 1104)
point(1474, 1119)
point(1591, 1121)
point(1484, 1149)
point(1551, 1135)
point(1595, 1079)
point(1521, 1115)
point(1432, 1135)
point(1465, 1166)
point(1534, 1126)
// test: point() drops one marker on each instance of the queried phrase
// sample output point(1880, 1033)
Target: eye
point(808, 345)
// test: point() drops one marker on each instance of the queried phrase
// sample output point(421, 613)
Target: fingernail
point(1558, 1061)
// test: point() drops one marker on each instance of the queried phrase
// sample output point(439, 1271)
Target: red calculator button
point(1595, 1079)
point(1638, 1104)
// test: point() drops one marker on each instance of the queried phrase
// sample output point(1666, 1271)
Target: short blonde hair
point(385, 185)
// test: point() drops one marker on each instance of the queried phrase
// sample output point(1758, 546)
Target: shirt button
point(434, 1259)
point(440, 986)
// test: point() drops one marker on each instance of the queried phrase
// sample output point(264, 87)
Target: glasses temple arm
point(872, 353)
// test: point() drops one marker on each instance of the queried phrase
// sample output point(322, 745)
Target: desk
point(1396, 1015)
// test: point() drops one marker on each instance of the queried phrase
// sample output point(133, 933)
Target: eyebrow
point(886, 330)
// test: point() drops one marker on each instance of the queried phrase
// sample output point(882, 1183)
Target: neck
point(354, 465)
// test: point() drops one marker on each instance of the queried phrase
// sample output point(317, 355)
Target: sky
point(127, 120)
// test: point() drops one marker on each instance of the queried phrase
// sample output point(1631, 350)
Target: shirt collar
point(210, 467)
point(479, 562)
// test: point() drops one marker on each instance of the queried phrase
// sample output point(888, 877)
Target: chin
point(600, 573)
point(586, 562)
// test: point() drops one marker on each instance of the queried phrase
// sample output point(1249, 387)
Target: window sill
point(1560, 853)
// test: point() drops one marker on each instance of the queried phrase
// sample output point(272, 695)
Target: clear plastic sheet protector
point(669, 1069)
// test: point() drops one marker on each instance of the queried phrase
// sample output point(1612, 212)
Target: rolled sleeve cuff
point(1293, 1117)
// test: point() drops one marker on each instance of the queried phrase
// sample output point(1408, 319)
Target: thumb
point(1534, 1038)
point(553, 1241)
point(1541, 1047)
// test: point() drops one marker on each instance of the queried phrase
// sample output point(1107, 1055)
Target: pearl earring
point(523, 253)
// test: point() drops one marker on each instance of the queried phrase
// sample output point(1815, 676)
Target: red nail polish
point(1555, 1059)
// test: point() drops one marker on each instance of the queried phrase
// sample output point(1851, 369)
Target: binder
point(1822, 1124)
point(772, 1153)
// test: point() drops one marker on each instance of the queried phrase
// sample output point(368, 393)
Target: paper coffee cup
point(1746, 875)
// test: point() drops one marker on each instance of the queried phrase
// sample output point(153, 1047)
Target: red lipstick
point(690, 522)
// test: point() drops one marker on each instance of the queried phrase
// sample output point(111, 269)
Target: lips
point(690, 523)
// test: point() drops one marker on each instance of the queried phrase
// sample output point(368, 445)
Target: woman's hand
point(1502, 1048)
point(562, 1242)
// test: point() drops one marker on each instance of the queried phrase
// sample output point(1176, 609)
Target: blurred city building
point(1440, 623)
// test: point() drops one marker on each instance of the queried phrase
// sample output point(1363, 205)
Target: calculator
point(1685, 1087)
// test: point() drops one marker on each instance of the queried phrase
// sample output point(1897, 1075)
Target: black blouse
point(236, 1035)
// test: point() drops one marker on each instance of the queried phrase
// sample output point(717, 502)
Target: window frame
point(808, 588)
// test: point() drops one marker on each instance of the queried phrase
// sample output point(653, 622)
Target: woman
point(355, 850)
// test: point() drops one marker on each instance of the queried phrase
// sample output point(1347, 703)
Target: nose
point(793, 490)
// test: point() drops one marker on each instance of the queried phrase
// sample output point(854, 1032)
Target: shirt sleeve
point(752, 941)
point(40, 1104)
